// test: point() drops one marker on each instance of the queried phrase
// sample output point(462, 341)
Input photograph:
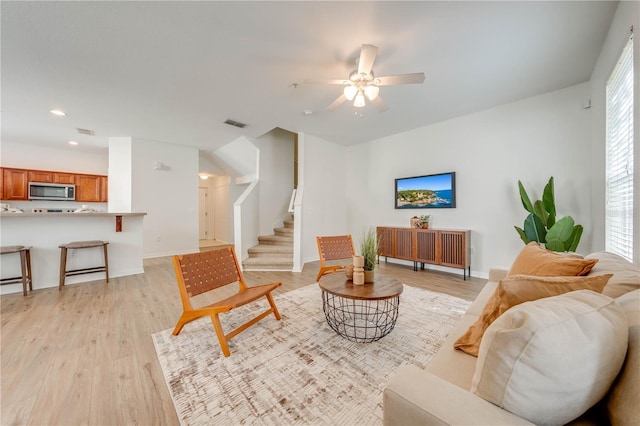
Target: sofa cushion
point(623, 404)
point(550, 360)
point(626, 275)
point(535, 260)
point(517, 289)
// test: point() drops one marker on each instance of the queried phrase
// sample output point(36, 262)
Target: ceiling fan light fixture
point(359, 102)
point(350, 92)
point(372, 92)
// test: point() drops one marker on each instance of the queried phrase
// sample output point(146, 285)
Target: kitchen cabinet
point(69, 178)
point(88, 188)
point(40, 176)
point(442, 247)
point(104, 189)
point(15, 184)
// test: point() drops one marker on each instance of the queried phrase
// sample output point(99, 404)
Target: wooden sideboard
point(445, 247)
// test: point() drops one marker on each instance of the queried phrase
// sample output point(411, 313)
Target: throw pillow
point(518, 289)
point(535, 260)
point(626, 275)
point(550, 360)
point(623, 404)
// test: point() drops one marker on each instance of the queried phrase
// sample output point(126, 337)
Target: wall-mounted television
point(426, 192)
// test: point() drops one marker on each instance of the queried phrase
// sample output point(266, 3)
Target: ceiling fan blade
point(415, 78)
point(335, 104)
point(379, 104)
point(335, 81)
point(367, 58)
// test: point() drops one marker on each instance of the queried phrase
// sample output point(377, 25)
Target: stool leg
point(23, 267)
point(63, 266)
point(29, 276)
point(106, 261)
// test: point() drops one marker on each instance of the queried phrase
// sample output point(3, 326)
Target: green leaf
point(548, 199)
point(526, 202)
point(534, 228)
point(538, 210)
point(560, 234)
point(575, 238)
point(523, 236)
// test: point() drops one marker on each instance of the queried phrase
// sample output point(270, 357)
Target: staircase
point(273, 252)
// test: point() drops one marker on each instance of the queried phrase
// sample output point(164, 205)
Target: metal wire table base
point(361, 321)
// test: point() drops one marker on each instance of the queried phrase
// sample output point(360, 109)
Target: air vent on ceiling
point(234, 123)
point(86, 132)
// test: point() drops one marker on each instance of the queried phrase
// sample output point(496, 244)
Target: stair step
point(268, 263)
point(271, 250)
point(275, 239)
point(288, 223)
point(283, 232)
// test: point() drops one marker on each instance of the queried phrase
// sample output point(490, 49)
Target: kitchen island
point(44, 232)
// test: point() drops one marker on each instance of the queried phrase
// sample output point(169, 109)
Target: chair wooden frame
point(199, 273)
point(334, 248)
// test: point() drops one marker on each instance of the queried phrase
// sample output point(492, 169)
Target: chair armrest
point(497, 273)
point(417, 397)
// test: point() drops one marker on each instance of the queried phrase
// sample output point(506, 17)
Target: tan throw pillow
point(518, 289)
point(550, 360)
point(534, 260)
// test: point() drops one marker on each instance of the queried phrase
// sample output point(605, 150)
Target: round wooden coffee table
point(360, 313)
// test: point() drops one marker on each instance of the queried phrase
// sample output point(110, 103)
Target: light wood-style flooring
point(84, 355)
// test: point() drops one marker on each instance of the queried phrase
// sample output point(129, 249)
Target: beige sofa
point(440, 394)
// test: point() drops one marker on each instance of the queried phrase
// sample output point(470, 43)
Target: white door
point(203, 202)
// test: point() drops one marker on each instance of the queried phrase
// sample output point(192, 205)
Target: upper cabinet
point(14, 184)
point(88, 188)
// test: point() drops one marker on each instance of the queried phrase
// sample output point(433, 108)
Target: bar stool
point(25, 266)
point(82, 245)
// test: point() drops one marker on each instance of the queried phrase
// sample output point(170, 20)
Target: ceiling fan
point(362, 83)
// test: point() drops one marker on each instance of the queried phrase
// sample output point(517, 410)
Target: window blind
point(619, 156)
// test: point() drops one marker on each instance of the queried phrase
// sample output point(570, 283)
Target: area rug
point(297, 370)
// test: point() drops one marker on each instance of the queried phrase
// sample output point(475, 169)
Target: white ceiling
point(174, 71)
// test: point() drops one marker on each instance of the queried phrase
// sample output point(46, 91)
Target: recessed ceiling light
point(204, 177)
point(73, 143)
point(58, 112)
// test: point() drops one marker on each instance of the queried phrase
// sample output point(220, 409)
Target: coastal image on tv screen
point(431, 191)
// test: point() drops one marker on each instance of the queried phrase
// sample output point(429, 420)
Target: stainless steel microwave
point(52, 191)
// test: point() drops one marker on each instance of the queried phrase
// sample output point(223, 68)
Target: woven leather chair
point(334, 248)
point(199, 273)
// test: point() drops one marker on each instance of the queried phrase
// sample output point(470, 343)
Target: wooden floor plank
point(84, 355)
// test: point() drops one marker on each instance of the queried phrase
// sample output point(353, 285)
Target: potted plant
point(541, 224)
point(369, 243)
point(424, 221)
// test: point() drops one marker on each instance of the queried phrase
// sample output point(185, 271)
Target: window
point(619, 162)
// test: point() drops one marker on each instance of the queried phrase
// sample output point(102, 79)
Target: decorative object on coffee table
point(369, 242)
point(358, 270)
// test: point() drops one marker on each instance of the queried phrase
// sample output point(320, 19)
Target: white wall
point(627, 14)
point(120, 175)
point(38, 157)
point(276, 177)
point(247, 219)
point(530, 140)
point(238, 157)
point(168, 196)
point(322, 172)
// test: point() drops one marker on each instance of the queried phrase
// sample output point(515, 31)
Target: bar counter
point(44, 232)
